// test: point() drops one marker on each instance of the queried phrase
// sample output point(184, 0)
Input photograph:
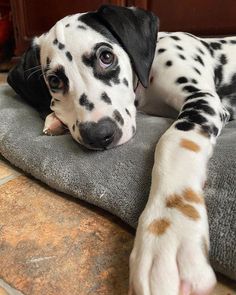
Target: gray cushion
point(118, 180)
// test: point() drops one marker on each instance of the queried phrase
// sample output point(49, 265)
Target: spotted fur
point(190, 145)
point(178, 75)
point(159, 226)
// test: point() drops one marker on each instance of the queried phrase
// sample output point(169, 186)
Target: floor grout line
point(8, 178)
point(10, 290)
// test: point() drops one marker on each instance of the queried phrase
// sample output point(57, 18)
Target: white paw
point(53, 126)
point(170, 254)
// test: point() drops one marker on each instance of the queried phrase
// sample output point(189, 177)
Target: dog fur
point(175, 75)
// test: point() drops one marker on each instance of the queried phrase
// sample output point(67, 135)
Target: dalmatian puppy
point(93, 70)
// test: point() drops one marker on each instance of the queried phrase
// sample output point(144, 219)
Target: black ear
point(27, 80)
point(136, 30)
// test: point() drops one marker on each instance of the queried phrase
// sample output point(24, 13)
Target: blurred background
point(20, 20)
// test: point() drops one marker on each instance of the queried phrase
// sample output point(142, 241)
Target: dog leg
point(53, 126)
point(170, 254)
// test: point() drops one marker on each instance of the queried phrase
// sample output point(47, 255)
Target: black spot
point(169, 63)
point(222, 117)
point(200, 104)
point(106, 76)
point(201, 51)
point(223, 41)
point(194, 81)
point(190, 88)
point(184, 126)
point(161, 50)
point(223, 59)
point(197, 71)
point(117, 116)
point(67, 25)
point(55, 41)
point(69, 56)
point(85, 102)
point(193, 116)
point(208, 47)
point(73, 127)
point(198, 94)
point(209, 130)
point(216, 45)
point(233, 41)
point(181, 80)
point(136, 103)
point(175, 38)
point(218, 75)
point(60, 73)
point(194, 104)
point(199, 59)
point(105, 98)
point(116, 80)
point(215, 130)
point(61, 46)
point(181, 56)
point(125, 81)
point(81, 27)
point(128, 113)
point(228, 89)
point(179, 47)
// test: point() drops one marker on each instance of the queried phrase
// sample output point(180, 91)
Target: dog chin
point(126, 137)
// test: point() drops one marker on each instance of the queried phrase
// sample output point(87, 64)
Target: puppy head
point(90, 64)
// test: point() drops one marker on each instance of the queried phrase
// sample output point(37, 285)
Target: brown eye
point(55, 83)
point(107, 58)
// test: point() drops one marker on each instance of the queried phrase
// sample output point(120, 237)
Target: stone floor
point(51, 244)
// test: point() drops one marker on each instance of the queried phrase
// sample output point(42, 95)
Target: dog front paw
point(170, 254)
point(53, 126)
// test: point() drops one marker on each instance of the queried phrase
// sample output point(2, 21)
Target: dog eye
point(106, 58)
point(55, 83)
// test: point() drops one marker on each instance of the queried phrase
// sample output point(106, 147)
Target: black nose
point(101, 134)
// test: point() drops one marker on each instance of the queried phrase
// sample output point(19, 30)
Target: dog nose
point(98, 135)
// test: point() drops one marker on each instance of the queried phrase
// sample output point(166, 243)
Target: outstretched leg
point(170, 253)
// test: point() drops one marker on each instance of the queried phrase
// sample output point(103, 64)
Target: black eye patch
point(108, 75)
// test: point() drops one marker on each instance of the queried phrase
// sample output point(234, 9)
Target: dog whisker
point(36, 67)
point(34, 72)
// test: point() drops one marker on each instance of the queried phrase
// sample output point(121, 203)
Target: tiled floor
point(51, 244)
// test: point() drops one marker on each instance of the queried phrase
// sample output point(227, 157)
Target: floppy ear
point(136, 30)
point(27, 80)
